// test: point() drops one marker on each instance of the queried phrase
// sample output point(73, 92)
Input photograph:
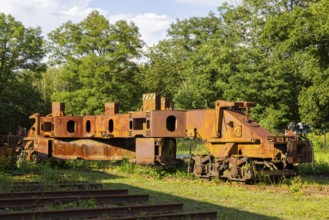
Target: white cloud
point(209, 2)
point(151, 26)
point(202, 2)
point(50, 14)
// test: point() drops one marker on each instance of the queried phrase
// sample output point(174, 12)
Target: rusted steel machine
point(239, 147)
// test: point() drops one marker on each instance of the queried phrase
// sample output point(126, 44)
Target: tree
point(250, 52)
point(98, 63)
point(178, 68)
point(299, 47)
point(21, 53)
point(252, 76)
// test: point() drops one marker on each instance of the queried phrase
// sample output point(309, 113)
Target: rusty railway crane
point(239, 147)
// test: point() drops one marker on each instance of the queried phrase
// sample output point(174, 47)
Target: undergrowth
point(51, 171)
point(321, 157)
point(153, 171)
point(195, 145)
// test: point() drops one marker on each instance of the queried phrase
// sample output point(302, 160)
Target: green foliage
point(272, 53)
point(96, 64)
point(7, 160)
point(196, 145)
point(298, 43)
point(295, 184)
point(21, 53)
point(84, 164)
point(6, 182)
point(179, 67)
point(155, 171)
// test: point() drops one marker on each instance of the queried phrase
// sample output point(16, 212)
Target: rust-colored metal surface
point(148, 136)
point(42, 201)
point(64, 193)
point(36, 186)
point(89, 149)
point(111, 204)
point(167, 124)
point(145, 150)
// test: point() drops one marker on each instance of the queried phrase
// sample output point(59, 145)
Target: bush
point(153, 171)
point(8, 161)
point(6, 183)
point(197, 146)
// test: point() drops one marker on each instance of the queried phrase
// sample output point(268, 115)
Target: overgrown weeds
point(195, 145)
point(8, 160)
point(321, 157)
point(153, 171)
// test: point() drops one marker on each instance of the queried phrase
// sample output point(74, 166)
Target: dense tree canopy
point(275, 53)
point(97, 62)
point(21, 52)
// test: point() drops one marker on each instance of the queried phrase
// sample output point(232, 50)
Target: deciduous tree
point(99, 63)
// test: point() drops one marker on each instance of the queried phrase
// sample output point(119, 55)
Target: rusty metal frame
point(147, 136)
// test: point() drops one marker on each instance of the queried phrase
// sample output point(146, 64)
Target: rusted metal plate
point(145, 150)
point(204, 122)
point(109, 149)
point(300, 152)
point(111, 108)
point(138, 124)
point(167, 124)
point(58, 109)
point(46, 126)
point(112, 126)
point(147, 134)
point(165, 104)
point(68, 127)
point(249, 129)
point(89, 126)
point(151, 101)
point(44, 147)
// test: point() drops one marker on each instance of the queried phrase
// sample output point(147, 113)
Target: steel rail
point(172, 216)
point(64, 193)
point(61, 182)
point(39, 187)
point(94, 212)
point(41, 201)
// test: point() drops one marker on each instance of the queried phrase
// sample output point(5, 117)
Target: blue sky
point(153, 17)
point(172, 8)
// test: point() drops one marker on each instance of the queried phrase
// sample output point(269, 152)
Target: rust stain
point(234, 140)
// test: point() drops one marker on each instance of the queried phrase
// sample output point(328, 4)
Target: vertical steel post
point(189, 168)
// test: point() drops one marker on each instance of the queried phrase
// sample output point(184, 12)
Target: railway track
point(110, 204)
point(37, 186)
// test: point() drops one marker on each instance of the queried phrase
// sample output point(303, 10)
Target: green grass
point(169, 185)
point(230, 202)
point(321, 157)
point(197, 147)
point(165, 184)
